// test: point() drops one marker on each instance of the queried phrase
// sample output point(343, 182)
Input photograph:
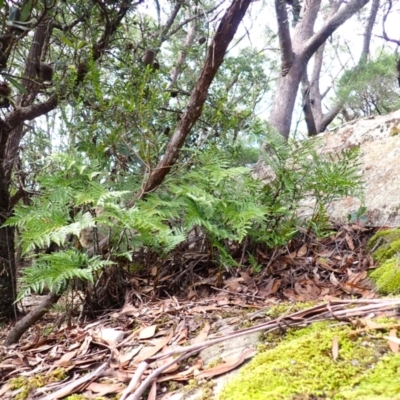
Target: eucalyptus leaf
point(26, 11)
point(16, 84)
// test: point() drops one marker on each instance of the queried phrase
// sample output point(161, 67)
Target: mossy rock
point(302, 367)
point(387, 275)
point(387, 242)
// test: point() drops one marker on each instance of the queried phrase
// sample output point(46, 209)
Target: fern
point(54, 271)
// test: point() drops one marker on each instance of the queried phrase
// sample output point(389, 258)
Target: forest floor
point(308, 309)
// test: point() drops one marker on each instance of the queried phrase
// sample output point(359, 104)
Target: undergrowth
point(212, 195)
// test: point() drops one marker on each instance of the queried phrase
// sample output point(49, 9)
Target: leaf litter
point(137, 349)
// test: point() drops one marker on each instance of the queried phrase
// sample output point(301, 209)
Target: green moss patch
point(302, 367)
point(387, 275)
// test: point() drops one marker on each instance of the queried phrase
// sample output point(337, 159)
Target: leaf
point(148, 332)
point(394, 346)
point(202, 336)
point(64, 361)
point(153, 392)
point(349, 242)
point(392, 339)
point(302, 251)
point(1, 3)
point(16, 84)
point(230, 364)
point(26, 11)
point(66, 41)
point(81, 44)
point(335, 348)
point(147, 352)
point(102, 388)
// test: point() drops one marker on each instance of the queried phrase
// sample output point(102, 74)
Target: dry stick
point(66, 390)
point(135, 380)
point(141, 389)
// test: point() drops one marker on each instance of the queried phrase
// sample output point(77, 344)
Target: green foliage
point(371, 87)
point(297, 172)
point(211, 195)
point(55, 270)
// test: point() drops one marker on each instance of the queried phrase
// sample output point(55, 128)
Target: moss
point(288, 308)
point(380, 383)
point(387, 243)
point(35, 381)
point(387, 275)
point(303, 365)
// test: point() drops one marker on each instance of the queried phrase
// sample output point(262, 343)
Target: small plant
point(211, 195)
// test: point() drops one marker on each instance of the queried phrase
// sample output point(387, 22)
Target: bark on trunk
point(285, 97)
point(304, 44)
point(215, 56)
point(7, 260)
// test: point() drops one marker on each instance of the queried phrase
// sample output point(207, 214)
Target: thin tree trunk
point(215, 56)
point(35, 315)
point(285, 97)
point(304, 43)
point(7, 260)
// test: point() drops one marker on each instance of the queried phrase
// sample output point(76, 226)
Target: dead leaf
point(184, 375)
point(334, 280)
point(394, 346)
point(349, 242)
point(102, 389)
point(230, 364)
point(153, 271)
point(147, 332)
point(202, 336)
point(126, 357)
point(302, 251)
point(153, 392)
point(335, 348)
point(66, 358)
point(83, 349)
point(5, 388)
point(147, 352)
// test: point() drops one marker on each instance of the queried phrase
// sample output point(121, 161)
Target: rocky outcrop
point(378, 138)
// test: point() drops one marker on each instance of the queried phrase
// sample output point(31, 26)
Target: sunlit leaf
point(16, 84)
point(26, 11)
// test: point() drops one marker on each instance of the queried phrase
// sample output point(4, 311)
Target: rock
point(379, 141)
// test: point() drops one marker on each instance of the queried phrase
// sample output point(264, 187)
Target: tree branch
point(215, 56)
point(329, 117)
point(171, 20)
point(186, 21)
point(331, 25)
point(385, 36)
point(191, 34)
point(307, 109)
point(285, 41)
point(368, 29)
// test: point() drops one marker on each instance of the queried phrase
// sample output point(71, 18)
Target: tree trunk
point(11, 133)
point(7, 260)
point(297, 51)
point(285, 97)
point(215, 56)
